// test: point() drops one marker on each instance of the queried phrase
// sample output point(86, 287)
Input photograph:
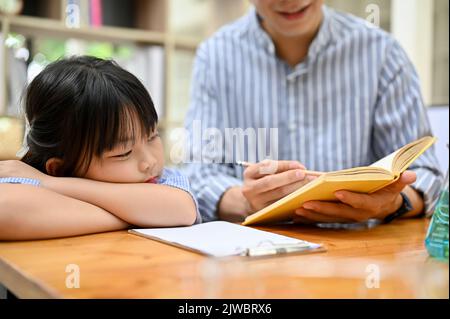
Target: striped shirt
point(20, 180)
point(354, 99)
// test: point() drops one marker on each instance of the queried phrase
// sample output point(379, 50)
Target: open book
point(360, 179)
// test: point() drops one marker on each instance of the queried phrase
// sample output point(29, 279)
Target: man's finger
point(320, 218)
point(336, 210)
point(355, 200)
point(408, 177)
point(275, 167)
point(268, 167)
point(280, 192)
point(272, 182)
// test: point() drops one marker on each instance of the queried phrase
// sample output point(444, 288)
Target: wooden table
point(122, 265)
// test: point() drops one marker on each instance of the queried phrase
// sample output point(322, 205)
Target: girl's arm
point(28, 212)
point(143, 205)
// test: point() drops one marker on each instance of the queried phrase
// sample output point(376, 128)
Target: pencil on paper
point(307, 172)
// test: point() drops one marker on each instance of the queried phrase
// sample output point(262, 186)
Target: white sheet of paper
point(218, 239)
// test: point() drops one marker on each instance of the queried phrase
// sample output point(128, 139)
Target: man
point(341, 94)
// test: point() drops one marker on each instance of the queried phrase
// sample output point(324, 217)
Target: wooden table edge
point(23, 285)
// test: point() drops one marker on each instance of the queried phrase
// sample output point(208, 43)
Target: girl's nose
point(147, 164)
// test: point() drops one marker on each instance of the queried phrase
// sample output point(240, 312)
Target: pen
point(307, 172)
point(280, 249)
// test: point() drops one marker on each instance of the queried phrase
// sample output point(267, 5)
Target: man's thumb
point(407, 178)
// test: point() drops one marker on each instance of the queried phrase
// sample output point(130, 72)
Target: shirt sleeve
point(400, 118)
point(210, 175)
point(174, 178)
point(20, 180)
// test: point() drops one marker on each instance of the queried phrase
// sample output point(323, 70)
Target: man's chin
point(295, 29)
point(293, 32)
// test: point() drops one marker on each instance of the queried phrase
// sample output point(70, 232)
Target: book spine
point(96, 13)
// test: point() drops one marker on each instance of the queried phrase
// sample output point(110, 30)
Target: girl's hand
point(14, 168)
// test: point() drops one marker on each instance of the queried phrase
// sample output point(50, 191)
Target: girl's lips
point(295, 15)
point(152, 180)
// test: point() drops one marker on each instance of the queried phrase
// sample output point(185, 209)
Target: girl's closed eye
point(123, 155)
point(153, 137)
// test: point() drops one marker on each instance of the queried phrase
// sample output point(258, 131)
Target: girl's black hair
point(80, 107)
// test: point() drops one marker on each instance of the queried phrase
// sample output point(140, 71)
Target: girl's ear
point(53, 166)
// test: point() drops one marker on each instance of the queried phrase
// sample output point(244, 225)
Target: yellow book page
point(414, 150)
point(398, 161)
point(406, 155)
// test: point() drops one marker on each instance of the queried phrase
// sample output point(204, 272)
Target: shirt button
point(292, 126)
point(291, 77)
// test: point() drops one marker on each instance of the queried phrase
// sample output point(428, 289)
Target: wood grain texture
point(122, 265)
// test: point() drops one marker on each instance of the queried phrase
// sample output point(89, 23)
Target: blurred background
point(157, 39)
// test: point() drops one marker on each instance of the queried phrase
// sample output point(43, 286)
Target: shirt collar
point(321, 40)
point(255, 28)
point(324, 36)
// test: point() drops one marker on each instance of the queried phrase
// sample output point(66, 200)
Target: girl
point(95, 153)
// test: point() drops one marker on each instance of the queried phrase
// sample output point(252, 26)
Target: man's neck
point(293, 49)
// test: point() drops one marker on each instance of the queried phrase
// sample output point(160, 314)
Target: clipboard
point(223, 239)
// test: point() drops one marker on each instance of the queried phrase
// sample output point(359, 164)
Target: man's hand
point(268, 181)
point(264, 183)
point(15, 168)
point(356, 207)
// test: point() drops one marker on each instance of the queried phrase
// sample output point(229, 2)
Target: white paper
point(218, 239)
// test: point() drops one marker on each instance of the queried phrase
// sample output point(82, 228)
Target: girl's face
point(138, 162)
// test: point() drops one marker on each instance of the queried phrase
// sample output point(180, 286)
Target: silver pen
point(279, 249)
point(307, 172)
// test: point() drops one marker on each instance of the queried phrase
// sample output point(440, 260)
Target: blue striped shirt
point(20, 180)
point(354, 99)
